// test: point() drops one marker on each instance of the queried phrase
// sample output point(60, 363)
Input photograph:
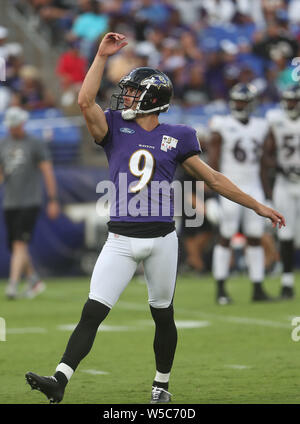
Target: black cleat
point(47, 385)
point(160, 395)
point(261, 296)
point(287, 293)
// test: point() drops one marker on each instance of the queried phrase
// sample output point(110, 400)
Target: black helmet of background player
point(290, 100)
point(242, 100)
point(153, 92)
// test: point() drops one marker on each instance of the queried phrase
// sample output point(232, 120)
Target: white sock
point(13, 283)
point(287, 279)
point(255, 258)
point(162, 378)
point(221, 262)
point(65, 369)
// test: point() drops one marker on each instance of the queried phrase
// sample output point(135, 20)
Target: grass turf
point(241, 353)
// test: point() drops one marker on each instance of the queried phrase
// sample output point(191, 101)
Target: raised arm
point(222, 185)
point(92, 112)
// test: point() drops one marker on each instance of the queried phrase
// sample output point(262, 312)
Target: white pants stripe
point(119, 259)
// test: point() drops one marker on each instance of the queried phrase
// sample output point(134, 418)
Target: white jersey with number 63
point(241, 148)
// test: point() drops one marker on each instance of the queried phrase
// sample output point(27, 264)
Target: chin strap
point(130, 114)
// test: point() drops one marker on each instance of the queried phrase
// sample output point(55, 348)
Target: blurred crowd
point(205, 46)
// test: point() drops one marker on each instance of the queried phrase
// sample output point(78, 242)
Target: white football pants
point(286, 197)
point(119, 259)
point(232, 215)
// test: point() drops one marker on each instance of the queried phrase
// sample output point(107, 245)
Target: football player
point(282, 155)
point(144, 151)
point(235, 149)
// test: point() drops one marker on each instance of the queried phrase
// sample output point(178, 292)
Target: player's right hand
point(276, 217)
point(111, 43)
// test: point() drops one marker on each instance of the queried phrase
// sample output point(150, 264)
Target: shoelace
point(51, 377)
point(156, 391)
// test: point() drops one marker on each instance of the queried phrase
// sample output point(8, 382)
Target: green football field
point(241, 353)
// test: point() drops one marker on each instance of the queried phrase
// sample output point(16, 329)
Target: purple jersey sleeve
point(189, 146)
point(109, 135)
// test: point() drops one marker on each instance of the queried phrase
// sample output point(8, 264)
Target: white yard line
point(26, 330)
point(71, 327)
point(182, 324)
point(237, 367)
point(95, 372)
point(231, 319)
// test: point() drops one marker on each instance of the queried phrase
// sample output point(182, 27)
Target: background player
point(137, 145)
point(235, 149)
point(282, 156)
point(22, 161)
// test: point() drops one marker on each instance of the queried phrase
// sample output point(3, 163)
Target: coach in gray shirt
point(23, 160)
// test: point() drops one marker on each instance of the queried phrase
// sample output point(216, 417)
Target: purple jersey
point(142, 165)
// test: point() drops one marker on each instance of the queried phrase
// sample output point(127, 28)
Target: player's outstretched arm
point(94, 116)
point(268, 162)
point(222, 185)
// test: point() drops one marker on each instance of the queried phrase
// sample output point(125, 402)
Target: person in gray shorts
point(22, 161)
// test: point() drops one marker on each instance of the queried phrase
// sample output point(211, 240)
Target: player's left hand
point(275, 217)
point(53, 209)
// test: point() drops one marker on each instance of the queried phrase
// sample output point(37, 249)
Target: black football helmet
point(153, 92)
point(290, 101)
point(242, 99)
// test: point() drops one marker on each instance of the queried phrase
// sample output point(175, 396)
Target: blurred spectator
point(3, 40)
point(5, 96)
point(270, 8)
point(294, 11)
point(214, 75)
point(190, 47)
point(276, 40)
point(32, 93)
point(175, 26)
point(270, 93)
point(14, 63)
point(57, 14)
point(172, 56)
point(231, 76)
point(148, 13)
point(188, 14)
point(249, 11)
point(217, 12)
point(152, 46)
point(71, 66)
point(122, 63)
point(89, 24)
point(195, 90)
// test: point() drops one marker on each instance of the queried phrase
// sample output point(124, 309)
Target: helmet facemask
point(242, 101)
point(241, 113)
